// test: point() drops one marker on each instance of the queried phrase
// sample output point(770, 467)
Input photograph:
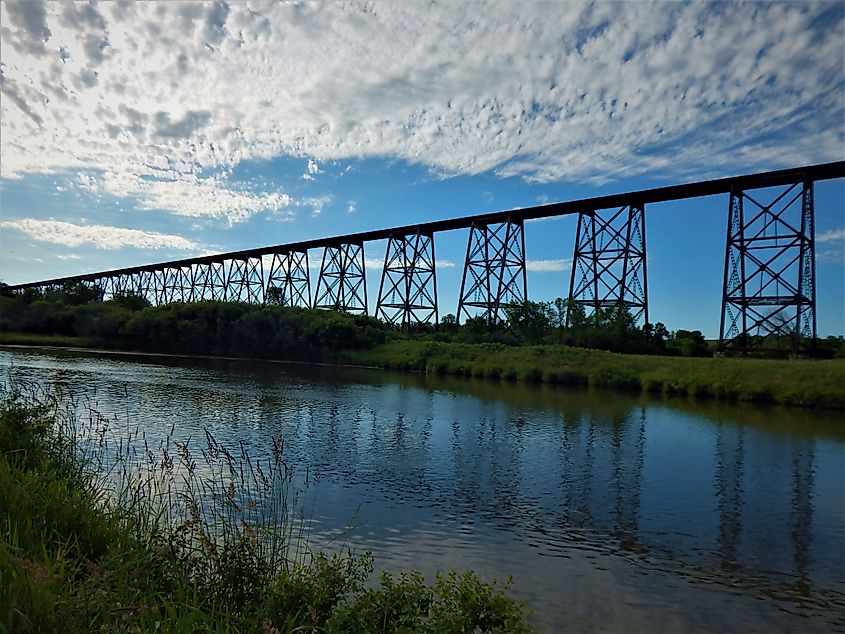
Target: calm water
point(612, 513)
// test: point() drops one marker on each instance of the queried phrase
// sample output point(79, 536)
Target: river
point(613, 513)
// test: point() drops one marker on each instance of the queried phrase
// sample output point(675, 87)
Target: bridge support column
point(106, 284)
point(171, 288)
point(213, 282)
point(342, 284)
point(408, 291)
point(120, 285)
point(289, 282)
point(494, 270)
point(143, 286)
point(183, 284)
point(770, 268)
point(246, 280)
point(609, 262)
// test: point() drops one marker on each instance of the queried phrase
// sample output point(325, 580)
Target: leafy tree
point(274, 296)
point(530, 321)
point(130, 301)
point(77, 293)
point(449, 323)
point(691, 343)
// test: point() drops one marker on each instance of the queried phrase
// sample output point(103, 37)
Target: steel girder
point(246, 280)
point(342, 284)
point(408, 290)
point(494, 270)
point(289, 282)
point(770, 265)
point(609, 261)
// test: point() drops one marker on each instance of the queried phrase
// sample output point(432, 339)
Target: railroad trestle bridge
point(769, 268)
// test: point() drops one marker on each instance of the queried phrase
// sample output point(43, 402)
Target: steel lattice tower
point(770, 268)
point(408, 290)
point(213, 282)
point(342, 284)
point(609, 262)
point(246, 280)
point(494, 271)
point(289, 283)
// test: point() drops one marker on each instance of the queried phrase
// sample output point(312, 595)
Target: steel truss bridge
point(769, 271)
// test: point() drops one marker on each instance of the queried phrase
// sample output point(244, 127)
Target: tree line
point(272, 331)
point(563, 322)
point(128, 321)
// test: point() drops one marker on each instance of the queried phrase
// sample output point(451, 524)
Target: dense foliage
point(614, 329)
point(210, 328)
point(78, 556)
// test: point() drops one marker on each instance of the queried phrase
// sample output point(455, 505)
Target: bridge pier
point(171, 285)
point(408, 291)
point(770, 267)
point(214, 282)
point(289, 282)
point(106, 284)
point(246, 280)
point(609, 261)
point(143, 282)
point(157, 286)
point(119, 285)
point(342, 284)
point(494, 270)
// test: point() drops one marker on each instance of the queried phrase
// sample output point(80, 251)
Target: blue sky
point(138, 133)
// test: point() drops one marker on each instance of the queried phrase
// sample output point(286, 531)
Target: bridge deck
point(823, 171)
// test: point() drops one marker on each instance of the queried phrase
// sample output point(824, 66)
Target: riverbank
point(55, 341)
point(78, 555)
point(817, 383)
point(795, 383)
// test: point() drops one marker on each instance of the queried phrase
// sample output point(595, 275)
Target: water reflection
point(695, 514)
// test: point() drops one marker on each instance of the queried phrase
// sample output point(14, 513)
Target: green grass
point(794, 382)
point(157, 547)
point(62, 341)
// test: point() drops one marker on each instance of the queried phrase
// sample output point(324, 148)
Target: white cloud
point(832, 250)
point(352, 207)
point(833, 235)
point(312, 169)
point(98, 236)
point(547, 266)
point(554, 91)
point(186, 194)
point(316, 203)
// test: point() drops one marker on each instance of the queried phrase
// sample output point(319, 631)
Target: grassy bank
point(162, 548)
point(801, 383)
point(62, 341)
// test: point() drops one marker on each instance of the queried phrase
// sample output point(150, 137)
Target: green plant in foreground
point(93, 540)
